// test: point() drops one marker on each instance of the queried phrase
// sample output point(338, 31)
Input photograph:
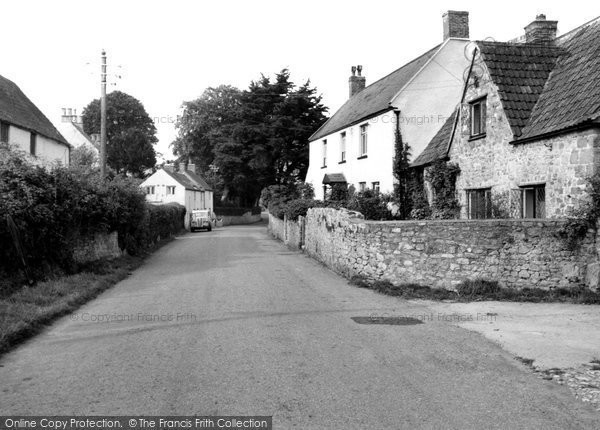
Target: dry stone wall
point(517, 253)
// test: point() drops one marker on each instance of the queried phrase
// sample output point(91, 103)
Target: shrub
point(295, 208)
point(477, 287)
point(374, 206)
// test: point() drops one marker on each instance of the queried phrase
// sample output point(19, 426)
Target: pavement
point(231, 322)
point(553, 335)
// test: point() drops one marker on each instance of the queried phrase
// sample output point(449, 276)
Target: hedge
point(48, 210)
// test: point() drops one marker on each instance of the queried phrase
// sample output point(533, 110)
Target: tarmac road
point(230, 322)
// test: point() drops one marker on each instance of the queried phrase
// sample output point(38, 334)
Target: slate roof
point(17, 109)
point(520, 70)
point(438, 146)
point(190, 180)
point(374, 99)
point(572, 94)
point(332, 178)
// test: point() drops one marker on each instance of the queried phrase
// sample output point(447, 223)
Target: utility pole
point(103, 115)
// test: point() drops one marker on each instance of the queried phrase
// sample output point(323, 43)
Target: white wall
point(47, 150)
point(424, 103)
point(74, 136)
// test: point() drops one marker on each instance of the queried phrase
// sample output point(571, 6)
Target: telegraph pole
point(103, 115)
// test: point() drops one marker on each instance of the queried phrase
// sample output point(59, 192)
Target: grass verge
point(478, 290)
point(28, 310)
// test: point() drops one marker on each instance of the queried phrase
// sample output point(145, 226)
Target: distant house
point(526, 133)
point(23, 125)
point(71, 128)
point(179, 185)
point(356, 145)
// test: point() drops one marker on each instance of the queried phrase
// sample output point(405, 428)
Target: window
point(362, 186)
point(343, 147)
point(324, 153)
point(479, 203)
point(375, 186)
point(170, 189)
point(478, 111)
point(534, 201)
point(363, 140)
point(150, 189)
point(32, 143)
point(4, 132)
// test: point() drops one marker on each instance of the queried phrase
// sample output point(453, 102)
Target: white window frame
point(324, 153)
point(342, 147)
point(170, 190)
point(362, 186)
point(363, 140)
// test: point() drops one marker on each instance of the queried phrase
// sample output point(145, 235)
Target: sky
point(167, 52)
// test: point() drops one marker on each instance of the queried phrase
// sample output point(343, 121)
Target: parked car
point(202, 219)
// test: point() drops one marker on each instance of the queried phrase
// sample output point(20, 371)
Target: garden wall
point(100, 246)
point(289, 232)
point(517, 253)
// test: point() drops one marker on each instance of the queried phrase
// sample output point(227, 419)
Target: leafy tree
point(252, 138)
point(84, 156)
point(130, 131)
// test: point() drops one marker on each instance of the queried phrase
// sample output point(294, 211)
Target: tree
point(402, 174)
point(130, 133)
point(252, 138)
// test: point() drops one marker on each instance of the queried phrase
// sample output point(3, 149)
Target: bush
point(44, 212)
point(295, 208)
point(374, 206)
point(158, 222)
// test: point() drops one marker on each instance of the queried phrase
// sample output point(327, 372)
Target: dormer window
point(478, 114)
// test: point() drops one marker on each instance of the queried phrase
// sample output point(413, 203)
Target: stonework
point(562, 163)
point(516, 253)
point(102, 245)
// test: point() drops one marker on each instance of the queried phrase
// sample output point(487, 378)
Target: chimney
point(541, 30)
point(169, 167)
point(456, 24)
point(356, 82)
point(70, 115)
point(182, 166)
point(191, 167)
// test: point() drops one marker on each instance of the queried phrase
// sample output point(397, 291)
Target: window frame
point(343, 147)
point(33, 144)
point(363, 141)
point(4, 132)
point(486, 193)
point(324, 153)
point(169, 188)
point(376, 186)
point(481, 104)
point(536, 188)
point(362, 186)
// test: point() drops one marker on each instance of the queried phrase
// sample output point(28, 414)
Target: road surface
point(231, 322)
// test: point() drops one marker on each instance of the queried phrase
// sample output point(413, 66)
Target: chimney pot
point(541, 30)
point(356, 83)
point(456, 24)
point(192, 167)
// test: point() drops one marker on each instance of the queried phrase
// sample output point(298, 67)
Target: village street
point(232, 322)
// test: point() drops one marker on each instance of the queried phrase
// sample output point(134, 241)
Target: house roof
point(438, 146)
point(79, 128)
point(190, 180)
point(334, 178)
point(520, 71)
point(374, 99)
point(572, 93)
point(17, 109)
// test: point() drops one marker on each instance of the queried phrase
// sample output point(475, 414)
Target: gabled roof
point(520, 71)
point(79, 128)
point(572, 94)
point(17, 109)
point(374, 99)
point(190, 180)
point(438, 146)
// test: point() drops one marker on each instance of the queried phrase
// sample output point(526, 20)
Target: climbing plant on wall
point(442, 177)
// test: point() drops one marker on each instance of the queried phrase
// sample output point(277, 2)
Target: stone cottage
point(526, 132)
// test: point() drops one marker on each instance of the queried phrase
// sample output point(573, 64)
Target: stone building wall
point(517, 253)
point(562, 163)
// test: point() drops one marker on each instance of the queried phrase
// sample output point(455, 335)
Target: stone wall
point(247, 218)
point(517, 253)
point(289, 232)
point(102, 245)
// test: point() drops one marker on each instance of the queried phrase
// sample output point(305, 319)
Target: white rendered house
point(25, 127)
point(183, 186)
point(356, 145)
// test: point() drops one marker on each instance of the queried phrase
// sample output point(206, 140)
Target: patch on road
point(387, 320)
